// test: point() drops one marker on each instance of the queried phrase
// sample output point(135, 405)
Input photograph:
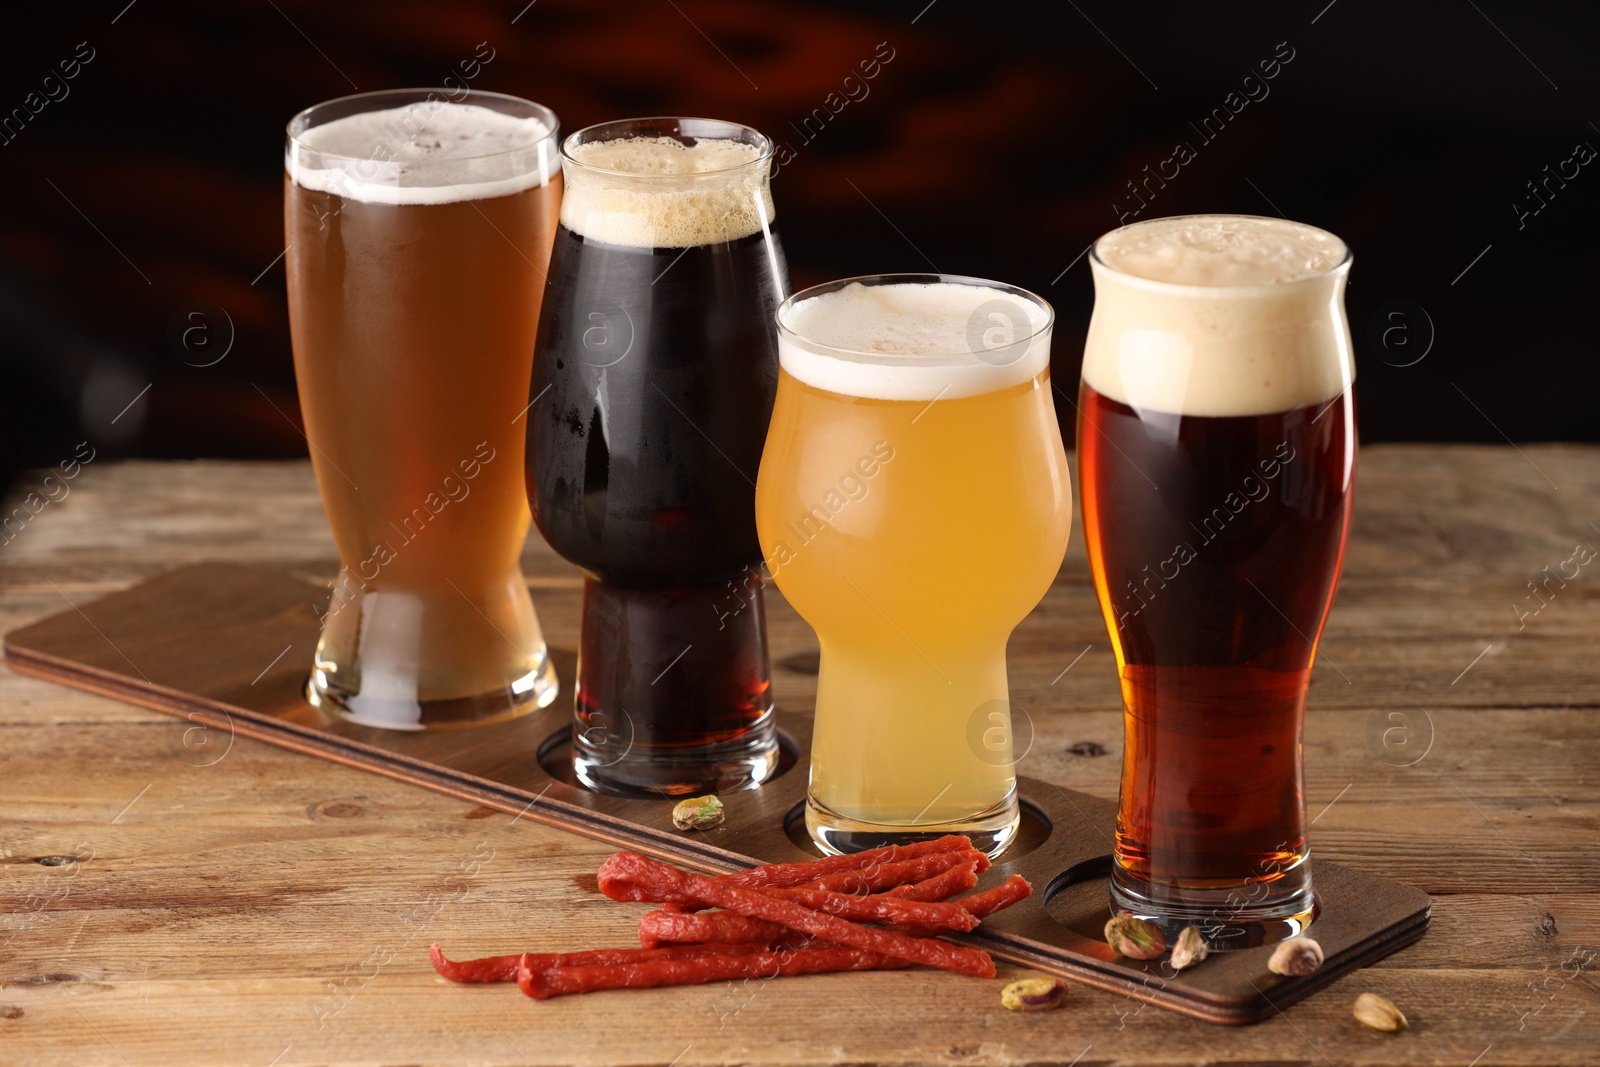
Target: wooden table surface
point(170, 898)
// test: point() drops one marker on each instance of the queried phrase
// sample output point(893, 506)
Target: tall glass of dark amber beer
point(657, 362)
point(1217, 449)
point(419, 228)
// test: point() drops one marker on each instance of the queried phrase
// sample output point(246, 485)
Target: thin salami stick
point(559, 981)
point(792, 874)
point(941, 886)
point(981, 905)
point(1001, 896)
point(663, 926)
point(670, 924)
point(504, 968)
point(879, 907)
point(630, 876)
point(878, 877)
point(864, 872)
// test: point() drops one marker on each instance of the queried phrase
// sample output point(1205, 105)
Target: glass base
point(416, 656)
point(726, 768)
point(534, 690)
point(674, 694)
point(1237, 917)
point(991, 831)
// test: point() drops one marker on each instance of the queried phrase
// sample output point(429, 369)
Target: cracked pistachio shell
point(1034, 994)
point(1189, 949)
point(1135, 938)
point(698, 813)
point(1297, 957)
point(1377, 1013)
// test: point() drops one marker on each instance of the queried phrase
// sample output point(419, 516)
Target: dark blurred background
point(1451, 142)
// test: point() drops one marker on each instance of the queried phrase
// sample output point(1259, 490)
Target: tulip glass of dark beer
point(419, 227)
point(1217, 451)
point(652, 387)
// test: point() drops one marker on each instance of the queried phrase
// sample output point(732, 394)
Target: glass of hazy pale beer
point(1217, 452)
point(652, 387)
point(419, 228)
point(913, 504)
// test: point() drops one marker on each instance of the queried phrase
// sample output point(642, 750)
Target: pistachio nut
point(1297, 957)
point(698, 813)
point(1376, 1013)
point(1135, 938)
point(1034, 994)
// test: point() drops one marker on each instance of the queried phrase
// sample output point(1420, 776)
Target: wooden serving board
point(201, 634)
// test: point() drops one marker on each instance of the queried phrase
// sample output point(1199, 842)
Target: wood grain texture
point(141, 644)
point(270, 906)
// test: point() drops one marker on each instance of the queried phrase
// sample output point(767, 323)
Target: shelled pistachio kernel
point(1034, 994)
point(698, 813)
point(1135, 938)
point(1296, 957)
point(1377, 1013)
point(1189, 949)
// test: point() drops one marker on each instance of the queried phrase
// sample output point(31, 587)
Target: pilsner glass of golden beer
point(1216, 451)
point(913, 505)
point(419, 226)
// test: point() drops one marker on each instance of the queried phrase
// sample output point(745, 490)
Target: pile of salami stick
point(783, 919)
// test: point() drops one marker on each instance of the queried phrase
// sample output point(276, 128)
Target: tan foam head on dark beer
point(1219, 315)
point(429, 152)
point(657, 192)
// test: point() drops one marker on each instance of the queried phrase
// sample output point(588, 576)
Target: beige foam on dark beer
point(430, 152)
point(1219, 315)
point(658, 192)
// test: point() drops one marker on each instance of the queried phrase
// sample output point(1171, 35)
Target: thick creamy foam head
point(657, 192)
point(431, 152)
point(914, 340)
point(1219, 315)
point(1221, 250)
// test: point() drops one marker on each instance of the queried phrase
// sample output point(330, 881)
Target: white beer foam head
point(1219, 315)
point(658, 192)
point(914, 340)
point(429, 152)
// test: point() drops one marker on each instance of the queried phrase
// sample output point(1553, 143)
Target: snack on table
point(559, 981)
point(781, 919)
point(504, 968)
point(630, 876)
